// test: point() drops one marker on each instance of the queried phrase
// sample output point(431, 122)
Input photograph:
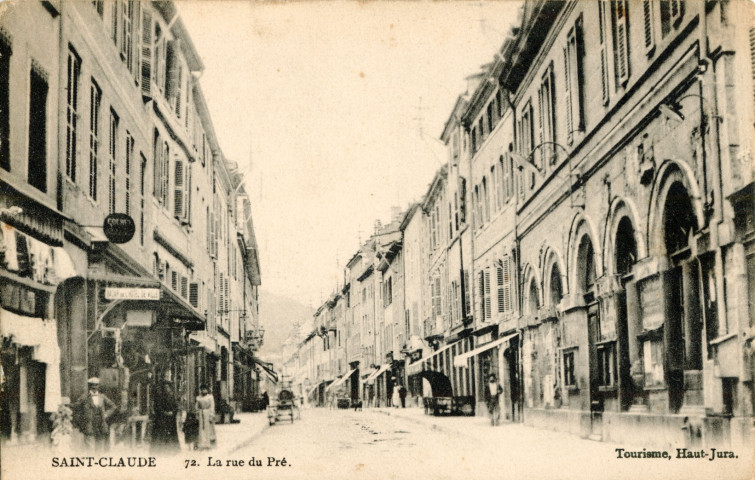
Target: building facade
point(589, 240)
point(109, 122)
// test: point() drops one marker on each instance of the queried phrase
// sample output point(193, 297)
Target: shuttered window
point(179, 190)
point(648, 14)
point(227, 296)
point(72, 114)
point(547, 112)
point(184, 287)
point(481, 290)
point(499, 288)
point(621, 41)
point(574, 81)
point(467, 292)
point(603, 37)
point(194, 294)
point(488, 302)
point(146, 60)
point(221, 292)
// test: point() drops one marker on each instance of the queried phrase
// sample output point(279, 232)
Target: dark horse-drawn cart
point(283, 406)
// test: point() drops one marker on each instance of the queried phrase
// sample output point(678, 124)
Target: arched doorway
point(625, 255)
point(683, 319)
point(586, 277)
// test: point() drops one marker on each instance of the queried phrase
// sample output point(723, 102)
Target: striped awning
point(377, 373)
point(461, 359)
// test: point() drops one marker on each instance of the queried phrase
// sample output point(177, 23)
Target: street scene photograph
point(462, 239)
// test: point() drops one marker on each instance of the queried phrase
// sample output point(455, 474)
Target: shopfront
point(32, 265)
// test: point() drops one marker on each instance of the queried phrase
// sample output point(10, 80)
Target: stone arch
point(582, 228)
point(671, 175)
point(531, 290)
point(552, 272)
point(621, 211)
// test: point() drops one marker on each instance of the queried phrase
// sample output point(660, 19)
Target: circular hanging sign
point(119, 227)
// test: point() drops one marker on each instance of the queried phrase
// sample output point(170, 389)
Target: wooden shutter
point(194, 294)
point(187, 195)
point(603, 37)
point(178, 103)
point(621, 48)
point(649, 23)
point(179, 190)
point(221, 302)
point(507, 284)
point(488, 302)
point(146, 76)
point(567, 94)
point(172, 67)
point(499, 285)
point(227, 295)
point(481, 288)
point(184, 286)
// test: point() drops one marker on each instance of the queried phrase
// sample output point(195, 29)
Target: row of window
point(155, 61)
point(538, 137)
point(494, 191)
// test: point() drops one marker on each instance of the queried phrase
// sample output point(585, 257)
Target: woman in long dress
point(206, 417)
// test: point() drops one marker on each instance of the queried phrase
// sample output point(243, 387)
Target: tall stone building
point(103, 117)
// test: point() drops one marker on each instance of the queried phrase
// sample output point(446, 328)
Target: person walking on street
point(402, 395)
point(91, 415)
point(164, 426)
point(493, 393)
point(206, 417)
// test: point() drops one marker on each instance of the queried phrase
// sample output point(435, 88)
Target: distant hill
point(278, 315)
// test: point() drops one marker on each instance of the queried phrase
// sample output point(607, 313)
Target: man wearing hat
point(91, 415)
point(493, 392)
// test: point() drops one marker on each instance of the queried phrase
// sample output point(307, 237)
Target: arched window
point(585, 266)
point(533, 303)
point(626, 247)
point(678, 219)
point(556, 291)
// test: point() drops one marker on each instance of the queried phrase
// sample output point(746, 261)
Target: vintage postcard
point(365, 240)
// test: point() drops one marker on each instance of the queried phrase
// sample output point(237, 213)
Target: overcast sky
point(319, 103)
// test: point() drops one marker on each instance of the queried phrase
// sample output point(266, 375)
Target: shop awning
point(42, 337)
point(377, 373)
point(416, 367)
point(314, 389)
point(50, 265)
point(267, 368)
point(461, 359)
point(340, 380)
point(439, 383)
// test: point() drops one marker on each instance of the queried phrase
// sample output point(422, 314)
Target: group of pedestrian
point(92, 413)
